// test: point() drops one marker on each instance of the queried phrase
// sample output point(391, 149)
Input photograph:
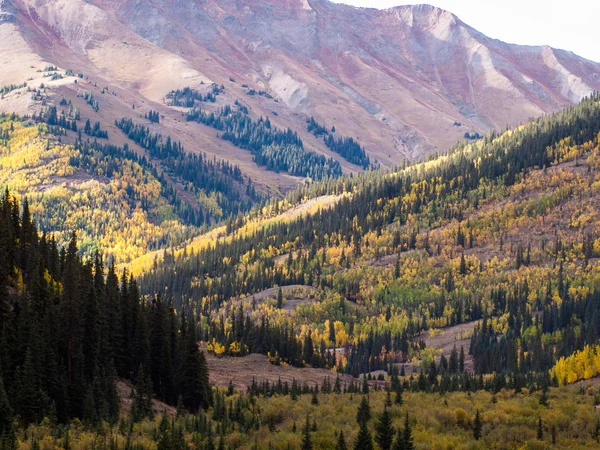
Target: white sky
point(568, 24)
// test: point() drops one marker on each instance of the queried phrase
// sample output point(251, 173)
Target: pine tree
point(398, 400)
point(477, 426)
point(364, 440)
point(315, 398)
point(388, 398)
point(279, 299)
point(407, 435)
point(8, 440)
point(341, 442)
point(544, 397)
point(306, 439)
point(463, 265)
point(364, 411)
point(29, 395)
point(399, 442)
point(5, 410)
point(384, 431)
point(540, 429)
point(142, 397)
point(365, 386)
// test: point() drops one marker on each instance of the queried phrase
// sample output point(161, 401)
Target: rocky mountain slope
point(400, 80)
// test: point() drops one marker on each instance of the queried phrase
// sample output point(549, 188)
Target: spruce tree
point(407, 435)
point(399, 442)
point(365, 385)
point(398, 400)
point(388, 398)
point(315, 398)
point(364, 411)
point(384, 431)
point(29, 394)
point(8, 440)
point(477, 426)
point(341, 442)
point(540, 429)
point(5, 410)
point(306, 439)
point(363, 440)
point(544, 397)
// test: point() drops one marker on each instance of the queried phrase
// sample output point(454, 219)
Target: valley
point(247, 225)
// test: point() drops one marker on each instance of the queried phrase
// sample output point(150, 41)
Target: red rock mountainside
point(400, 79)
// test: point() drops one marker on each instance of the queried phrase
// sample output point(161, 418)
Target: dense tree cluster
point(95, 131)
point(271, 147)
point(347, 147)
point(522, 348)
point(69, 328)
point(196, 172)
point(56, 120)
point(152, 116)
point(187, 97)
point(11, 87)
point(90, 100)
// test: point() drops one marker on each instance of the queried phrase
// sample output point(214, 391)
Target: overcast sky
point(568, 24)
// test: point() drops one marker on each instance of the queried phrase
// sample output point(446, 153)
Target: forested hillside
point(453, 302)
point(122, 203)
point(503, 232)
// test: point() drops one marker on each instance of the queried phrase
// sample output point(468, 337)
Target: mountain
point(399, 80)
point(226, 103)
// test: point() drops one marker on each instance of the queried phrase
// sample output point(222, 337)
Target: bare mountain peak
point(428, 18)
point(403, 81)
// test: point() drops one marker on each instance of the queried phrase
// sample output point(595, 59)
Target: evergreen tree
point(407, 435)
point(306, 438)
point(398, 400)
point(315, 398)
point(477, 426)
point(399, 442)
point(384, 431)
point(28, 401)
point(341, 442)
point(364, 410)
point(5, 410)
point(364, 440)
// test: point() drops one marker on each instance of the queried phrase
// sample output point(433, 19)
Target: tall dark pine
point(399, 442)
point(341, 442)
point(477, 426)
point(364, 410)
point(5, 410)
point(193, 381)
point(306, 439)
point(384, 431)
point(407, 435)
point(364, 440)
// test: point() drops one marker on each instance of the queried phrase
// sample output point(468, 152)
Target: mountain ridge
point(411, 73)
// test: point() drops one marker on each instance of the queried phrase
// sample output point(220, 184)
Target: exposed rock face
point(399, 79)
